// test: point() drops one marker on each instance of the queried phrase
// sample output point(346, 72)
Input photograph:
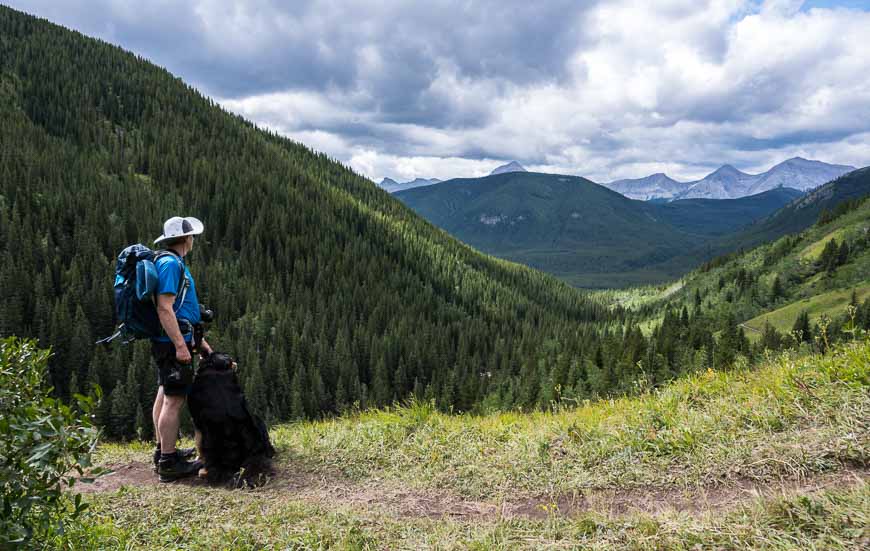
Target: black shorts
point(175, 378)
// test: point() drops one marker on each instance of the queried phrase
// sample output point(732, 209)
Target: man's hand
point(205, 349)
point(182, 354)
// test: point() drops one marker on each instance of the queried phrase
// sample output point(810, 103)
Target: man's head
point(178, 233)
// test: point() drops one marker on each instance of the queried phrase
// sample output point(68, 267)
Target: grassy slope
point(830, 304)
point(812, 252)
point(818, 292)
point(795, 417)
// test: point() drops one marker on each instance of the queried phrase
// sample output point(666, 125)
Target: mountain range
point(727, 182)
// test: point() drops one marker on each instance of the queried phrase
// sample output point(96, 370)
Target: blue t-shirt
point(168, 282)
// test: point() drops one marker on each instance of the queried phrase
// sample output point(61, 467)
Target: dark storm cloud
point(234, 50)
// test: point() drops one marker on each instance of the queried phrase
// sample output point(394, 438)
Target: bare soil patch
point(331, 489)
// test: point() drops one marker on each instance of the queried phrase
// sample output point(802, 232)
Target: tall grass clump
point(789, 417)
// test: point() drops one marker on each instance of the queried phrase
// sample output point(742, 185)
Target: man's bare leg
point(170, 419)
point(155, 413)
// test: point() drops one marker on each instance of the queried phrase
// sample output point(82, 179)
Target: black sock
point(169, 456)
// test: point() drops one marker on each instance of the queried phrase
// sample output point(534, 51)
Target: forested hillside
point(797, 287)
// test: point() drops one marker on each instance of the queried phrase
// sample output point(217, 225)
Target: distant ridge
point(512, 166)
point(393, 186)
point(798, 173)
point(727, 182)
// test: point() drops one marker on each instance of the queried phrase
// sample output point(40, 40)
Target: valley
point(592, 237)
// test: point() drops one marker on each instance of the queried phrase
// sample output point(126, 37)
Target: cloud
point(450, 88)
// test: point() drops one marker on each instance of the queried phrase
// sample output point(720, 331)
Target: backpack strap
point(183, 282)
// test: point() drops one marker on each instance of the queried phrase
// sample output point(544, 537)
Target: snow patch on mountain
point(393, 186)
point(512, 166)
point(655, 186)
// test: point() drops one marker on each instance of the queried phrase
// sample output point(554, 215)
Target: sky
point(601, 89)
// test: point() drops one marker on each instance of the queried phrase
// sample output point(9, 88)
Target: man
point(178, 310)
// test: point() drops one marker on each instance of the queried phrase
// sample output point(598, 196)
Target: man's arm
point(205, 348)
point(165, 302)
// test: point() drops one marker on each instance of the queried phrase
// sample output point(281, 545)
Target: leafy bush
point(44, 444)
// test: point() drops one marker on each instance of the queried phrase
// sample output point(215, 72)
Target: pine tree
point(381, 388)
point(122, 412)
point(776, 288)
point(801, 328)
point(770, 337)
point(843, 253)
point(828, 258)
point(255, 390)
point(297, 405)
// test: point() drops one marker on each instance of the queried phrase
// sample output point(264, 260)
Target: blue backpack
point(136, 293)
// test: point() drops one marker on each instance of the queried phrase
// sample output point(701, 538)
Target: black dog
point(234, 443)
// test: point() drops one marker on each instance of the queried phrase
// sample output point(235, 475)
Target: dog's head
point(218, 361)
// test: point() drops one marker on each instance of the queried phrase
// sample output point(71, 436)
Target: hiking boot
point(183, 453)
point(170, 470)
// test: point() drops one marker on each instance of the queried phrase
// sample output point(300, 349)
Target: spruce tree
point(122, 412)
point(843, 253)
point(801, 328)
point(776, 288)
point(770, 337)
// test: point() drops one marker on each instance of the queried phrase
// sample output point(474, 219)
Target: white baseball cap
point(179, 226)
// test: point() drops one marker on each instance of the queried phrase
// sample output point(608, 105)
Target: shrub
point(44, 445)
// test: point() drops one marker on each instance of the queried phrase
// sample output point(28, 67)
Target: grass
point(794, 417)
point(830, 304)
point(178, 519)
point(812, 252)
point(637, 296)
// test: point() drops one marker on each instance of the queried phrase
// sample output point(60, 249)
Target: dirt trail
point(331, 489)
